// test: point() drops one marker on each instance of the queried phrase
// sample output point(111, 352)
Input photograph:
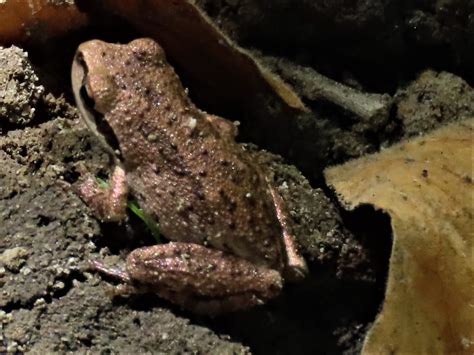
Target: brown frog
point(230, 244)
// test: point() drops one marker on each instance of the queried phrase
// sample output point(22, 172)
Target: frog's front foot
point(296, 268)
point(107, 203)
point(112, 272)
point(203, 280)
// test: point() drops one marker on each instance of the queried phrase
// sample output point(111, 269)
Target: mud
point(49, 302)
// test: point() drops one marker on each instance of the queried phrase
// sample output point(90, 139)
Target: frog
point(231, 245)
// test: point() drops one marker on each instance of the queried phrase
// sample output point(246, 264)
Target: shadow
point(323, 314)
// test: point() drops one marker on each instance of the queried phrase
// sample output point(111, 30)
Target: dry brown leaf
point(22, 20)
point(426, 187)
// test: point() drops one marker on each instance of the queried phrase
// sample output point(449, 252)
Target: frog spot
point(200, 195)
point(224, 162)
point(232, 206)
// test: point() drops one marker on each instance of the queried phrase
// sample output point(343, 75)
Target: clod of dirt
point(432, 100)
point(14, 258)
point(19, 89)
point(426, 186)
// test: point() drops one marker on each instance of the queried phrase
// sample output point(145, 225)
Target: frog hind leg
point(109, 204)
point(202, 280)
point(296, 267)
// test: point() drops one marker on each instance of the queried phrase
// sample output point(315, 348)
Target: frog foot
point(107, 203)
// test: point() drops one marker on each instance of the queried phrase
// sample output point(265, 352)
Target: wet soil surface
point(50, 302)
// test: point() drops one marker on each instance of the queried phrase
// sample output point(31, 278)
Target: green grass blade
point(133, 206)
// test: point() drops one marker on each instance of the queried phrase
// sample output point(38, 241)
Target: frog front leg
point(200, 279)
point(296, 268)
point(107, 203)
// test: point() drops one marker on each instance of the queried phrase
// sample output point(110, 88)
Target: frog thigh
point(201, 279)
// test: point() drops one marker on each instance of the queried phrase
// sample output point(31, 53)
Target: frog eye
point(147, 50)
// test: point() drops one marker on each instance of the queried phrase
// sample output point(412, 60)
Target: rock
point(14, 258)
point(434, 99)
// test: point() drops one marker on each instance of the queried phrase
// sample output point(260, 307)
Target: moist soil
point(50, 302)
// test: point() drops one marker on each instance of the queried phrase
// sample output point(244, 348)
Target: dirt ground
point(49, 302)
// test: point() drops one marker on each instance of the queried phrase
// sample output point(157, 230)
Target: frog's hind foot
point(124, 289)
point(115, 273)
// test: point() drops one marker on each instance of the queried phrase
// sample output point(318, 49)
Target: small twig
point(314, 86)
